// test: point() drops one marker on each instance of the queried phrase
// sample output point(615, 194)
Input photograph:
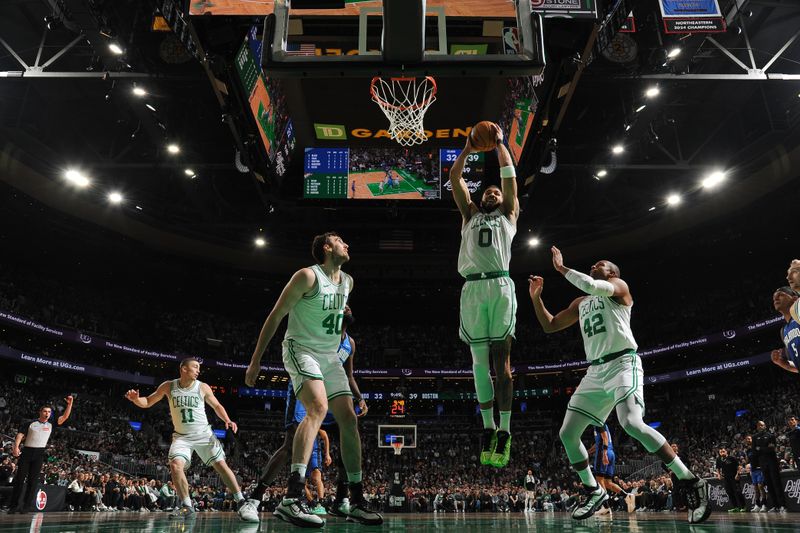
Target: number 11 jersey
point(486, 243)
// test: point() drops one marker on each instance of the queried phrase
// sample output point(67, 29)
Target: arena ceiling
point(729, 102)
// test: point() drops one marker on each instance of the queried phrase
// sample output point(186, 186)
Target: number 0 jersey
point(486, 243)
point(187, 408)
point(605, 326)
point(316, 321)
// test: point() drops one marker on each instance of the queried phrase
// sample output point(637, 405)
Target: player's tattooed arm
point(460, 192)
point(149, 401)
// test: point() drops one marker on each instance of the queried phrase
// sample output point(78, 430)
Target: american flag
point(301, 49)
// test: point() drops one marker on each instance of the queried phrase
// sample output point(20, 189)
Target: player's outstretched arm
point(68, 411)
point(211, 400)
point(508, 179)
point(460, 191)
point(594, 287)
point(149, 401)
point(302, 281)
point(551, 323)
point(348, 368)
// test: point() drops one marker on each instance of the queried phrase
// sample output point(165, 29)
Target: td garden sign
point(338, 132)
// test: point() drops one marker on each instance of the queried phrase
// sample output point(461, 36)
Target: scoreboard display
point(326, 172)
point(474, 168)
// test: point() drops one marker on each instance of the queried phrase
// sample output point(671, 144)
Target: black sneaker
point(361, 513)
point(296, 512)
point(339, 508)
point(696, 492)
point(593, 499)
point(489, 445)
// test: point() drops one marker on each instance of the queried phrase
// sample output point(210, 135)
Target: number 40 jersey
point(605, 326)
point(315, 322)
point(485, 243)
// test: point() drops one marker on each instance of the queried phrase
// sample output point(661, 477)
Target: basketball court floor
point(464, 523)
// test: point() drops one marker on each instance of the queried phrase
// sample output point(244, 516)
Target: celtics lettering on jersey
point(187, 408)
point(316, 320)
point(605, 326)
point(486, 243)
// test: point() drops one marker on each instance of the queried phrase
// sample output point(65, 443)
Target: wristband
point(508, 172)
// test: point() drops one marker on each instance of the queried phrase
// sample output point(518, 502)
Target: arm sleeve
point(594, 287)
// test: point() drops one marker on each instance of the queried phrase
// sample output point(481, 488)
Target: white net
point(404, 101)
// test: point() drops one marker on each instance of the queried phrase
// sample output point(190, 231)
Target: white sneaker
point(361, 513)
point(594, 498)
point(296, 512)
point(782, 510)
point(248, 510)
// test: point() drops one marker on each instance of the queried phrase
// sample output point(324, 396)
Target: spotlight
point(138, 91)
point(652, 92)
point(173, 148)
point(151, 108)
point(652, 208)
point(640, 108)
point(617, 149)
point(77, 178)
point(533, 242)
point(260, 242)
point(601, 173)
point(713, 179)
point(115, 198)
point(673, 199)
point(674, 52)
point(189, 172)
point(627, 127)
point(116, 49)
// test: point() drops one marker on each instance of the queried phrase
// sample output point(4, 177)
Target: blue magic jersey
point(598, 439)
point(791, 339)
point(295, 410)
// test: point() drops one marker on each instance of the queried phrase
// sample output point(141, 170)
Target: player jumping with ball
point(488, 300)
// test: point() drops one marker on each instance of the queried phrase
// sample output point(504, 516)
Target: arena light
point(674, 199)
point(713, 179)
point(260, 242)
point(189, 172)
point(653, 208)
point(602, 173)
point(116, 49)
point(173, 148)
point(77, 178)
point(151, 108)
point(138, 91)
point(533, 242)
point(652, 92)
point(628, 127)
point(674, 52)
point(617, 149)
point(640, 108)
point(115, 198)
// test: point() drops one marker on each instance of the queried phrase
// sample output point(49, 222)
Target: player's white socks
point(237, 497)
point(488, 418)
point(505, 421)
point(299, 468)
point(187, 502)
point(679, 469)
point(587, 478)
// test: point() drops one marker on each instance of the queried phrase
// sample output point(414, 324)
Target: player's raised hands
point(69, 399)
point(558, 260)
point(132, 395)
point(535, 286)
point(498, 134)
point(468, 148)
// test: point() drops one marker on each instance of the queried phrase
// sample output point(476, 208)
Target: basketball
point(483, 136)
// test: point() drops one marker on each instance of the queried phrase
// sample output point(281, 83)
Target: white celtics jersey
point(485, 243)
point(315, 322)
point(605, 326)
point(187, 408)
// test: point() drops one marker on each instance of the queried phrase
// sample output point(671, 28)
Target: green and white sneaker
point(594, 497)
point(489, 445)
point(183, 512)
point(319, 509)
point(502, 452)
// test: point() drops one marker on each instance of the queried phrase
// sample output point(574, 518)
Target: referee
point(29, 464)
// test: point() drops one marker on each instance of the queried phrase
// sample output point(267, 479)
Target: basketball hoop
point(398, 447)
point(404, 101)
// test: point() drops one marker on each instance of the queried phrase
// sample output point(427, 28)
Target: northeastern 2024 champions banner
point(692, 16)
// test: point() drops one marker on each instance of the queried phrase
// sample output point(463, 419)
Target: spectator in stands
point(764, 446)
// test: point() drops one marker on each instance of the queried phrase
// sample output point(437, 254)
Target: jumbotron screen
point(372, 173)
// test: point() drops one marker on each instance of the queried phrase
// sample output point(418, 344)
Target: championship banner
point(629, 26)
point(692, 16)
point(578, 9)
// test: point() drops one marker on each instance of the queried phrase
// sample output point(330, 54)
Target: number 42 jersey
point(605, 326)
point(485, 243)
point(315, 322)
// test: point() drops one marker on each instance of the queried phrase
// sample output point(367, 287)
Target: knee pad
point(482, 373)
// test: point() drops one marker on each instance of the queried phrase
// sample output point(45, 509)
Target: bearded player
point(613, 381)
point(488, 300)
